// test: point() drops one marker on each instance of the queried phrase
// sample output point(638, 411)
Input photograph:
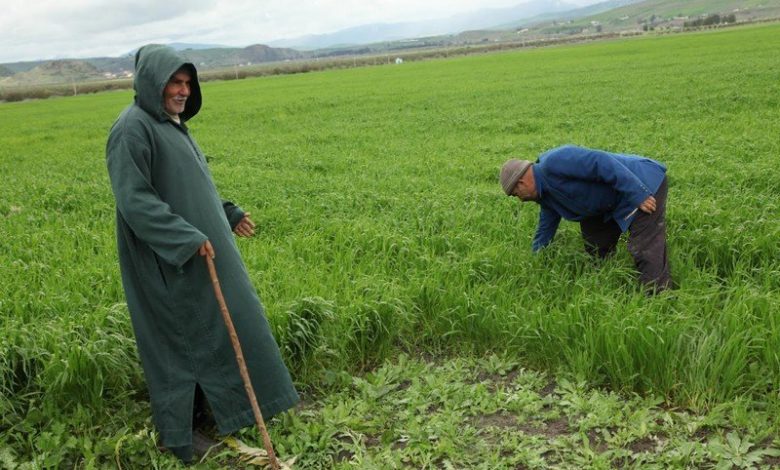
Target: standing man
point(169, 217)
point(608, 194)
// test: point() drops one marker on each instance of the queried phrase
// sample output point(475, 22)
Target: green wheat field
point(398, 278)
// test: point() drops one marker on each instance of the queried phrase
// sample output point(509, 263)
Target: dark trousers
point(646, 241)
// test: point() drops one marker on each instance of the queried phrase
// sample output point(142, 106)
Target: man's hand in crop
point(245, 228)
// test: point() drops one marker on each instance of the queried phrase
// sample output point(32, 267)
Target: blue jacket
point(576, 183)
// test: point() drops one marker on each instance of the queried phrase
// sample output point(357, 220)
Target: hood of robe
point(154, 66)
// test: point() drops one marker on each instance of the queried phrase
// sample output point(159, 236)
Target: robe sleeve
point(150, 218)
point(233, 213)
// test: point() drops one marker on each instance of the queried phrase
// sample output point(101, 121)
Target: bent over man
point(169, 216)
point(608, 194)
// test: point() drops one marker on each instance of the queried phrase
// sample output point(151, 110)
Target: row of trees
point(711, 20)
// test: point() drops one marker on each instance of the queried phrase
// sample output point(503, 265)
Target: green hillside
point(669, 8)
point(570, 15)
point(665, 11)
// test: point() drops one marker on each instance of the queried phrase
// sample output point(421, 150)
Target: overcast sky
point(49, 29)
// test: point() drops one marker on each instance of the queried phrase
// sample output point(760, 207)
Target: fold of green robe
point(167, 207)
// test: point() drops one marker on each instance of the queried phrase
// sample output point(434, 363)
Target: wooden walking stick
point(242, 364)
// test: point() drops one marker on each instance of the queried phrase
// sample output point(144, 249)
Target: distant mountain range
point(57, 71)
point(648, 15)
point(378, 32)
point(566, 15)
point(183, 46)
point(530, 20)
point(205, 57)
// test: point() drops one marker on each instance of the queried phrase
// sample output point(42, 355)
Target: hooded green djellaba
point(167, 207)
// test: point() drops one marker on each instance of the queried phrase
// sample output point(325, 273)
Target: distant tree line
point(711, 20)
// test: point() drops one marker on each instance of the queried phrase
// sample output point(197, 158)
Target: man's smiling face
point(176, 92)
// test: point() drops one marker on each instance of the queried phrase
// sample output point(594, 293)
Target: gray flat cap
point(511, 173)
